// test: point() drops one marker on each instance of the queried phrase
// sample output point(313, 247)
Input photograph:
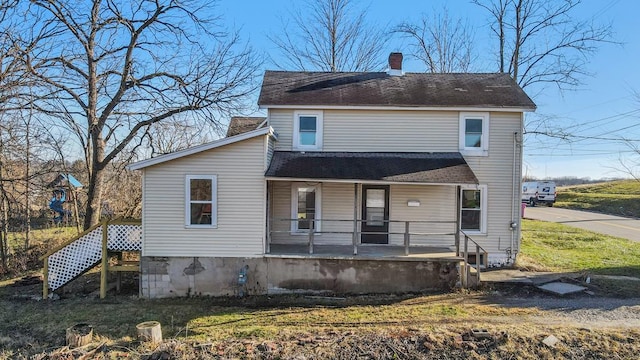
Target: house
point(241, 124)
point(356, 182)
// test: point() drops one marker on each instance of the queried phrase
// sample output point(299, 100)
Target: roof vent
point(395, 64)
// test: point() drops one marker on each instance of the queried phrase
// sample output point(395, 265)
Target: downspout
point(516, 222)
point(510, 253)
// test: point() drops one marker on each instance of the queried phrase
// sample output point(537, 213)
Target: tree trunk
point(5, 227)
point(27, 192)
point(150, 331)
point(4, 221)
point(79, 335)
point(94, 198)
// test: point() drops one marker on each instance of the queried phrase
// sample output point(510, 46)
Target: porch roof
point(404, 167)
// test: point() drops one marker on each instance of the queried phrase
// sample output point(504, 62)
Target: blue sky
point(604, 106)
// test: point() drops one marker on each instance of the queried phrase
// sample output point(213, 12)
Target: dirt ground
point(581, 326)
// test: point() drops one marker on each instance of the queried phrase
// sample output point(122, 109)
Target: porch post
point(466, 261)
point(268, 237)
point(478, 263)
point(355, 219)
point(406, 238)
point(311, 231)
point(104, 270)
point(457, 225)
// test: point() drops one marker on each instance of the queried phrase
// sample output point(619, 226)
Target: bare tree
point(331, 35)
point(443, 44)
point(544, 41)
point(110, 70)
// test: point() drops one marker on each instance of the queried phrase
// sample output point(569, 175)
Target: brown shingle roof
point(493, 90)
point(240, 124)
point(434, 168)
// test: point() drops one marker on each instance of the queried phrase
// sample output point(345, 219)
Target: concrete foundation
point(182, 276)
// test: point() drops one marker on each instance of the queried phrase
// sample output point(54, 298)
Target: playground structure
point(65, 188)
point(57, 205)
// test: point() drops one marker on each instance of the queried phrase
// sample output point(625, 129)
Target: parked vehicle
point(539, 192)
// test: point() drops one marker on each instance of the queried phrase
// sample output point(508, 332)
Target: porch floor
point(365, 252)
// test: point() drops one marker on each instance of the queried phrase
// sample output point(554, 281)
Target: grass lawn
point(563, 248)
point(384, 326)
point(615, 198)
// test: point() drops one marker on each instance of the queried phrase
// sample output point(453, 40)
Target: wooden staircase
point(82, 253)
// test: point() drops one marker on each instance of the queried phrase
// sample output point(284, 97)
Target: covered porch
point(383, 206)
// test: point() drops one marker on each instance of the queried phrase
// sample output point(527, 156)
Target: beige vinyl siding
point(437, 204)
point(239, 168)
point(428, 131)
point(359, 130)
point(496, 171)
point(281, 120)
point(271, 145)
point(337, 204)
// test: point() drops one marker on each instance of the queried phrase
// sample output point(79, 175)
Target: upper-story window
point(307, 130)
point(474, 133)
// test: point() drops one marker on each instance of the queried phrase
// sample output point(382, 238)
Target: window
point(474, 133)
point(201, 201)
point(307, 130)
point(473, 209)
point(305, 207)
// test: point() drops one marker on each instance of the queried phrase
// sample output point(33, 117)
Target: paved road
point(604, 224)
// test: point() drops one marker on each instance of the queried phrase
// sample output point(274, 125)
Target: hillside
point(620, 197)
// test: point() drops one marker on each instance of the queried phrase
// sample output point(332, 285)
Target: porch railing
point(462, 242)
point(318, 227)
point(480, 257)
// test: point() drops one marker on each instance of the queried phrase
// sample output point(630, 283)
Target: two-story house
point(354, 182)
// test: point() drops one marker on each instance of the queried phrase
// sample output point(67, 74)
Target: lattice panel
point(75, 258)
point(125, 237)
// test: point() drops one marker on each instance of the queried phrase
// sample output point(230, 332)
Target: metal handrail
point(478, 263)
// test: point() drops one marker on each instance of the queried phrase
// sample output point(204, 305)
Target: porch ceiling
point(436, 168)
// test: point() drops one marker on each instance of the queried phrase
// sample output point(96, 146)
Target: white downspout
point(517, 185)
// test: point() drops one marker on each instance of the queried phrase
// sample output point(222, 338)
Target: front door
point(375, 214)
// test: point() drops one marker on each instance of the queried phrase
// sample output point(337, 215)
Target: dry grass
point(23, 260)
point(295, 327)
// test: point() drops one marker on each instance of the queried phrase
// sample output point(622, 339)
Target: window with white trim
point(474, 133)
point(305, 207)
point(307, 130)
point(201, 201)
point(473, 209)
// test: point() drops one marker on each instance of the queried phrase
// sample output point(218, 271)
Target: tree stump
point(150, 331)
point(79, 335)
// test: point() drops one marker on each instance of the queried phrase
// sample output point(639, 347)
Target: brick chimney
point(395, 64)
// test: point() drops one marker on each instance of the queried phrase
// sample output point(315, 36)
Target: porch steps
point(70, 260)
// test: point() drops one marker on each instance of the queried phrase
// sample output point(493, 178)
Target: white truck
point(539, 192)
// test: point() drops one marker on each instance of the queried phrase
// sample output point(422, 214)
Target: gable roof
point(406, 167)
point(242, 124)
point(378, 89)
point(200, 148)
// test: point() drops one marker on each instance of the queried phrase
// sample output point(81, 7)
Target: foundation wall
point(189, 276)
